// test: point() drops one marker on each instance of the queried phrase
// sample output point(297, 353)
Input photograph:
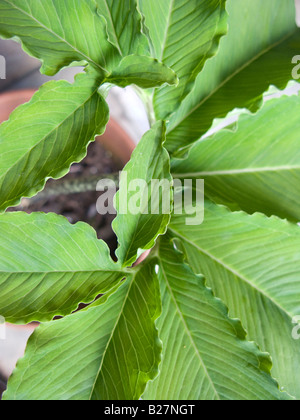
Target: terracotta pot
point(10, 100)
point(115, 139)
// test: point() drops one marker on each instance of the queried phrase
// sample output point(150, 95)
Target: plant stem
point(146, 98)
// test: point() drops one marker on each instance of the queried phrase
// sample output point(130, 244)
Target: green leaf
point(59, 32)
point(143, 212)
point(144, 72)
point(114, 346)
point(45, 136)
point(251, 57)
point(253, 264)
point(124, 24)
point(257, 166)
point(206, 355)
point(48, 266)
point(184, 35)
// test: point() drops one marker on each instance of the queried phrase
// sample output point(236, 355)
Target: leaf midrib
point(111, 337)
point(229, 78)
point(114, 29)
point(164, 44)
point(237, 171)
point(181, 315)
point(148, 179)
point(234, 272)
point(58, 36)
point(28, 152)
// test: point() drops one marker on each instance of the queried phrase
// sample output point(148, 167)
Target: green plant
point(158, 332)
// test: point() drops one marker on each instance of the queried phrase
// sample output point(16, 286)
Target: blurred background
point(125, 107)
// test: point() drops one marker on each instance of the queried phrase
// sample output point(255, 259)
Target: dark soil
point(81, 206)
